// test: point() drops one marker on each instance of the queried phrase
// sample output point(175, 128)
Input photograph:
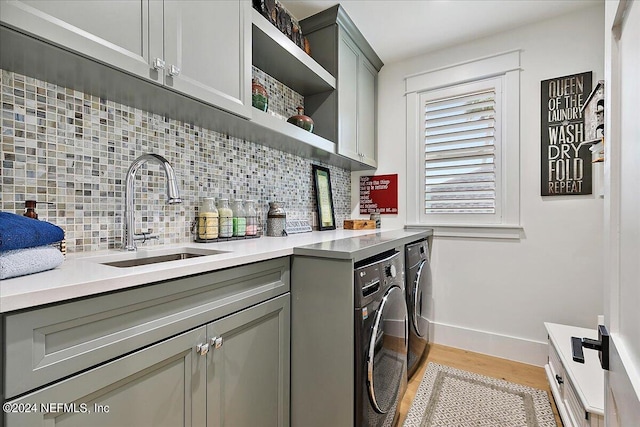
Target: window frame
point(505, 67)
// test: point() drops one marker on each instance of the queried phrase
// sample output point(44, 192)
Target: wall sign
point(379, 193)
point(565, 160)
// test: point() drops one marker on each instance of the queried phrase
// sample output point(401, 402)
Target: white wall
point(493, 296)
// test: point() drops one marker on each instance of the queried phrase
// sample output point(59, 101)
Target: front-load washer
point(381, 338)
point(419, 295)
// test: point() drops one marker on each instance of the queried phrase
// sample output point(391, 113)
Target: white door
point(622, 212)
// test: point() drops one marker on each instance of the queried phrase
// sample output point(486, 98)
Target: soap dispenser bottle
point(30, 209)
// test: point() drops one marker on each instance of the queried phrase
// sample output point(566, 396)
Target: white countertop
point(83, 274)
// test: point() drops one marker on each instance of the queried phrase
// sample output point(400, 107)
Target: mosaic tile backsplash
point(73, 150)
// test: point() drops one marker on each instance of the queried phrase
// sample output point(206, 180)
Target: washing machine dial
point(390, 271)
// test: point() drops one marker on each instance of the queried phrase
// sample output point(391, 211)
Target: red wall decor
point(379, 193)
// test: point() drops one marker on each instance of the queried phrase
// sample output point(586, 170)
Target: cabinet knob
point(216, 342)
point(174, 70)
point(203, 349)
point(158, 64)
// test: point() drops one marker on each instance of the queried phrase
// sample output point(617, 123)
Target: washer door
point(387, 357)
point(420, 288)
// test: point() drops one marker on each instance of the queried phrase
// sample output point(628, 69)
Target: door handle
point(216, 342)
point(158, 64)
point(601, 345)
point(174, 70)
point(203, 349)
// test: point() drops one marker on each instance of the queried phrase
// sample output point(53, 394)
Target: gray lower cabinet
point(248, 374)
point(211, 349)
point(231, 372)
point(200, 49)
point(161, 385)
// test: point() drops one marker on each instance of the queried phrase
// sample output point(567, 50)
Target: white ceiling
point(399, 29)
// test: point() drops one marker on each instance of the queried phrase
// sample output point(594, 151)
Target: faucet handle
point(144, 236)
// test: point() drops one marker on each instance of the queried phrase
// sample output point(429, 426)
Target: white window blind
point(461, 134)
point(463, 147)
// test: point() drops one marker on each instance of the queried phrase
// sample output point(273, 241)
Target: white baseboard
point(506, 347)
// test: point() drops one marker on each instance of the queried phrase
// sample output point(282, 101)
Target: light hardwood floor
point(520, 373)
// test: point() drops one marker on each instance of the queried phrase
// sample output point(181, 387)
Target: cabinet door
point(208, 51)
point(162, 385)
point(248, 374)
point(347, 81)
point(116, 32)
point(367, 101)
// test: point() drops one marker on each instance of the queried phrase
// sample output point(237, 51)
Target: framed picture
point(324, 198)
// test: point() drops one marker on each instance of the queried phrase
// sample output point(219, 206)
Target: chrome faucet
point(173, 197)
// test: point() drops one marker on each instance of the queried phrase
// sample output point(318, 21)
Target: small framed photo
point(324, 198)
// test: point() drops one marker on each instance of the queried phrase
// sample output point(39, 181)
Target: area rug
point(449, 397)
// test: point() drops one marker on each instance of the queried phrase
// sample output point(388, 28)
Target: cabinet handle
point(158, 64)
point(216, 342)
point(203, 349)
point(559, 379)
point(174, 71)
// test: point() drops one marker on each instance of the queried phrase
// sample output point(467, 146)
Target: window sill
point(497, 231)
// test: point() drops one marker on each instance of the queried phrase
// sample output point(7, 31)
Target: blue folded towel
point(27, 261)
point(18, 232)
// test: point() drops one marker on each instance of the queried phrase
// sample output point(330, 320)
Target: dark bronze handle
point(559, 379)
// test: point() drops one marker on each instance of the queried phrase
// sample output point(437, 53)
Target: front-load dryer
point(419, 295)
point(381, 338)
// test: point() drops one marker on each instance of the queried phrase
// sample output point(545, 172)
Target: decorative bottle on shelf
point(226, 218)
point(300, 120)
point(239, 219)
point(208, 219)
point(259, 96)
point(276, 219)
point(252, 218)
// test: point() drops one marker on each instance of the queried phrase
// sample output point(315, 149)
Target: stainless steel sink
point(157, 257)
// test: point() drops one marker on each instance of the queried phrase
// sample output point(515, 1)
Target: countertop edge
point(81, 275)
point(341, 249)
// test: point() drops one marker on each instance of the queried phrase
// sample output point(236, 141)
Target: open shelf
point(276, 133)
point(283, 60)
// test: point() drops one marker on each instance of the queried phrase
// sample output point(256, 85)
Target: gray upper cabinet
point(207, 51)
point(367, 110)
point(200, 49)
point(121, 36)
point(198, 55)
point(347, 116)
point(348, 98)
